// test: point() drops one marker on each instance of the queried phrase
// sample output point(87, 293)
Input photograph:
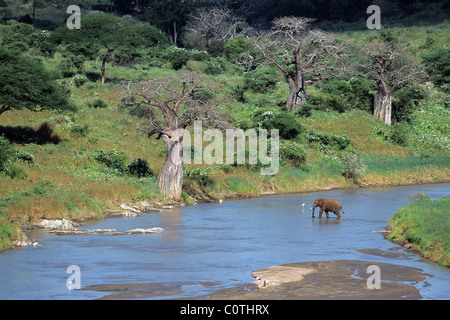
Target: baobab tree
point(302, 54)
point(392, 68)
point(169, 106)
point(216, 23)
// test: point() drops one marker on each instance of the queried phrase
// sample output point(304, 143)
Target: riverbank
point(424, 227)
point(11, 231)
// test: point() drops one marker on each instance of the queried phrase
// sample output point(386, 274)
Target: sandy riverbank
point(340, 279)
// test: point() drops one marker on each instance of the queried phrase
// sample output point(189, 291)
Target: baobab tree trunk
point(383, 103)
point(103, 69)
point(170, 178)
point(297, 94)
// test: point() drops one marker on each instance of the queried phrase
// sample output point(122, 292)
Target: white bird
point(303, 205)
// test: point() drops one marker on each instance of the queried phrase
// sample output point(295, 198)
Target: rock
point(102, 231)
point(25, 242)
point(106, 231)
point(150, 230)
point(125, 207)
point(153, 209)
point(121, 213)
point(62, 224)
point(78, 231)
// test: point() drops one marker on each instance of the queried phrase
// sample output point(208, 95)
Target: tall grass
point(425, 225)
point(383, 164)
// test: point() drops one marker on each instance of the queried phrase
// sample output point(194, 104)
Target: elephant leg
point(326, 212)
point(338, 216)
point(320, 213)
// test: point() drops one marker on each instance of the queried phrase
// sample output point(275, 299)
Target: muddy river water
point(215, 246)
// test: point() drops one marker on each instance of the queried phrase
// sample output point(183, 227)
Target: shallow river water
point(212, 246)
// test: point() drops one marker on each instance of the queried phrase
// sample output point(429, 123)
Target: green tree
point(101, 34)
point(437, 64)
point(234, 47)
point(26, 84)
point(170, 15)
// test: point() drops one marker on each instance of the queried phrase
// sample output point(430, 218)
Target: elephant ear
point(321, 202)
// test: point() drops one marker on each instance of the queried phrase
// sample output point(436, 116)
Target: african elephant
point(333, 205)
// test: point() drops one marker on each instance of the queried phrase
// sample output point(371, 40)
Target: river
point(213, 246)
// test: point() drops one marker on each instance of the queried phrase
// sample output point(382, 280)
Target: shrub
point(233, 48)
point(399, 134)
point(324, 101)
point(342, 94)
point(353, 168)
point(361, 97)
point(293, 152)
point(437, 63)
point(112, 159)
point(339, 142)
point(285, 122)
point(319, 137)
point(25, 156)
point(337, 87)
point(7, 158)
point(13, 171)
point(177, 57)
point(215, 66)
point(203, 94)
point(80, 79)
point(305, 110)
point(66, 67)
point(404, 102)
point(200, 175)
point(6, 152)
point(79, 130)
point(260, 80)
point(98, 103)
point(139, 168)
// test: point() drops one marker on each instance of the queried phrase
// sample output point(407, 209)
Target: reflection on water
point(218, 244)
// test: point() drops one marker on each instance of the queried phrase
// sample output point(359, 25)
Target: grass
point(424, 225)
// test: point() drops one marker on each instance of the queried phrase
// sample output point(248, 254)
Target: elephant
point(333, 205)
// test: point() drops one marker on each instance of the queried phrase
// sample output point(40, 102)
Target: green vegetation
point(424, 225)
point(84, 152)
